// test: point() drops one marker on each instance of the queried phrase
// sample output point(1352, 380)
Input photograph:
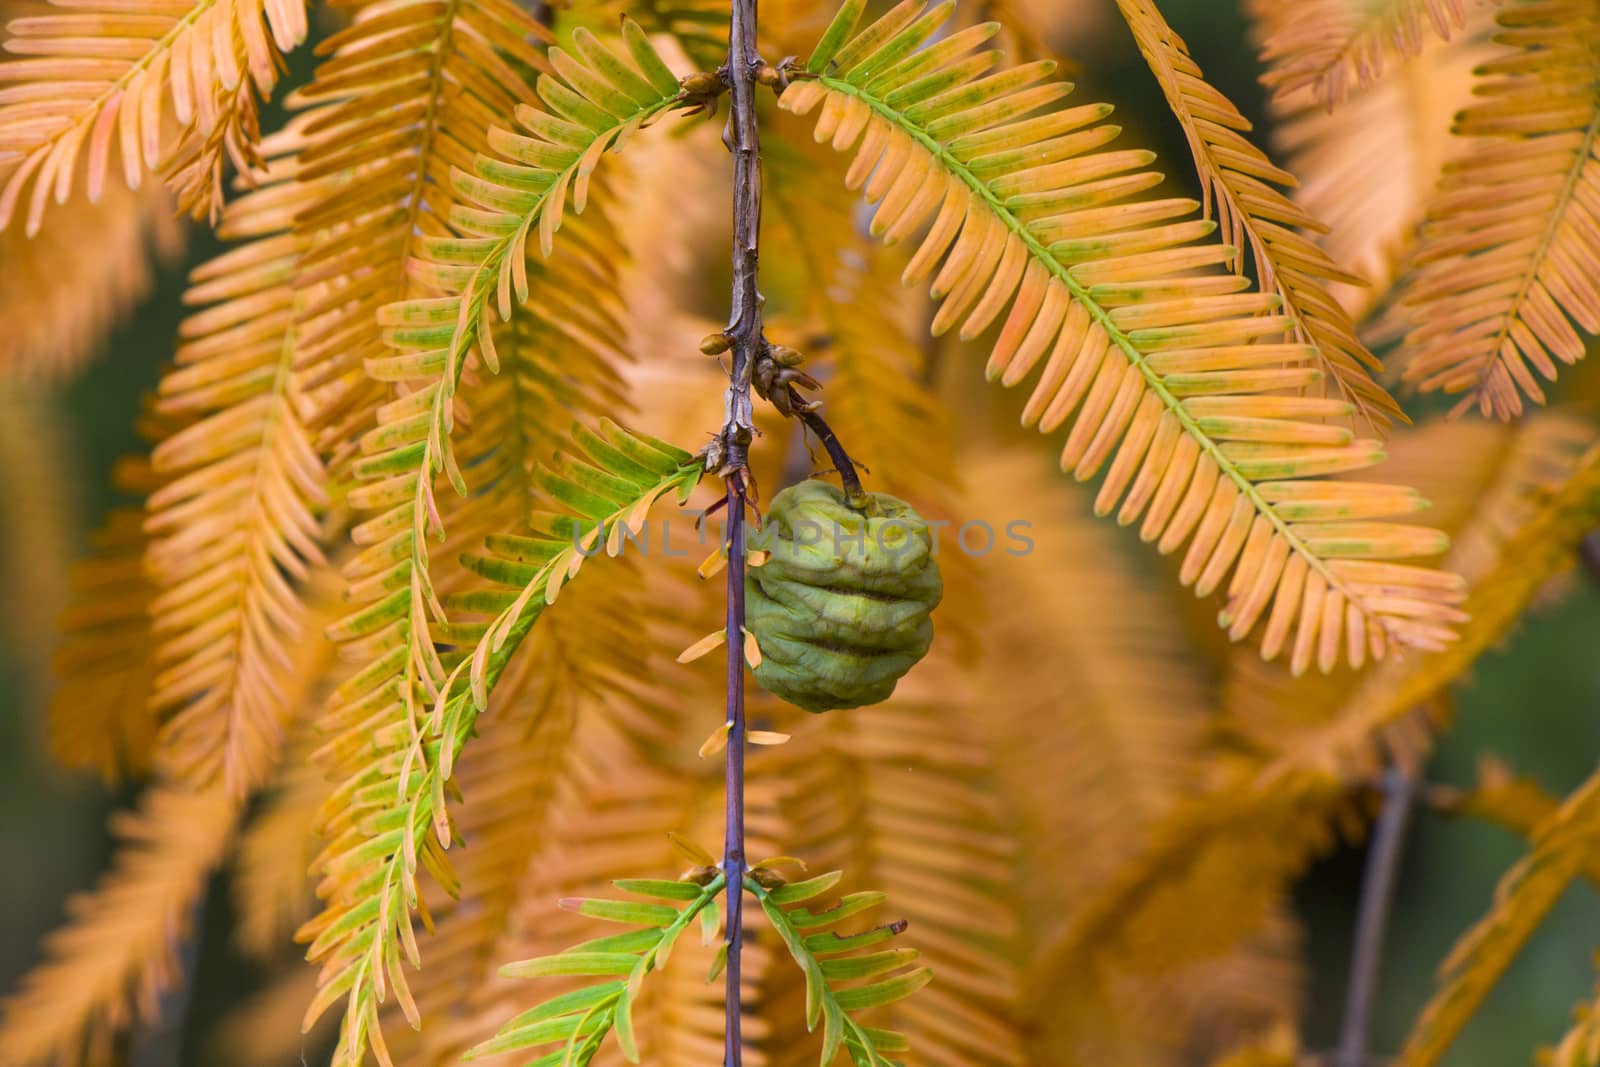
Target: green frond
point(1334, 47)
point(1505, 285)
point(1246, 190)
point(101, 80)
point(388, 816)
point(845, 973)
point(618, 797)
point(119, 950)
point(585, 670)
point(579, 1021)
point(235, 527)
point(1561, 845)
point(430, 342)
point(700, 27)
point(1175, 379)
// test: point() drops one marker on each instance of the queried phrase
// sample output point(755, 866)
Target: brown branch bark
point(738, 428)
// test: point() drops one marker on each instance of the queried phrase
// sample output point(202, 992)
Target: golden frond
point(1541, 501)
point(234, 526)
point(1163, 367)
point(1561, 846)
point(1508, 800)
point(100, 717)
point(1106, 738)
point(1249, 832)
point(1246, 190)
point(118, 952)
point(878, 396)
point(1368, 168)
point(1467, 469)
point(879, 391)
point(405, 95)
point(905, 793)
point(1506, 267)
point(63, 289)
point(1334, 47)
point(169, 86)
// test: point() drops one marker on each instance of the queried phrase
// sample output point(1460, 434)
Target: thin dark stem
point(733, 859)
point(841, 459)
point(1372, 917)
point(733, 443)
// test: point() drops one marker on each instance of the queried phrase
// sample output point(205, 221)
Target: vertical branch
point(744, 334)
point(1372, 917)
point(733, 857)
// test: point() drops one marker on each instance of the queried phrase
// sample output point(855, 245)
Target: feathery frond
point(388, 815)
point(432, 339)
point(612, 810)
point(63, 289)
point(1513, 802)
point(1561, 845)
point(904, 792)
point(840, 978)
point(117, 954)
point(1333, 47)
point(1163, 368)
point(235, 528)
point(580, 1020)
point(405, 96)
point(1100, 743)
point(1245, 189)
point(1525, 529)
point(1258, 826)
point(1506, 269)
point(592, 658)
point(481, 276)
point(100, 717)
point(104, 78)
point(1368, 168)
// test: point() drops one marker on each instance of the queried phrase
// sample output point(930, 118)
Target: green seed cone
point(842, 609)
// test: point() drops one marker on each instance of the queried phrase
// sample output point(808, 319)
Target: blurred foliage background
point(1533, 703)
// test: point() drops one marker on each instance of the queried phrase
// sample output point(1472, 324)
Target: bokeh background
point(1535, 703)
